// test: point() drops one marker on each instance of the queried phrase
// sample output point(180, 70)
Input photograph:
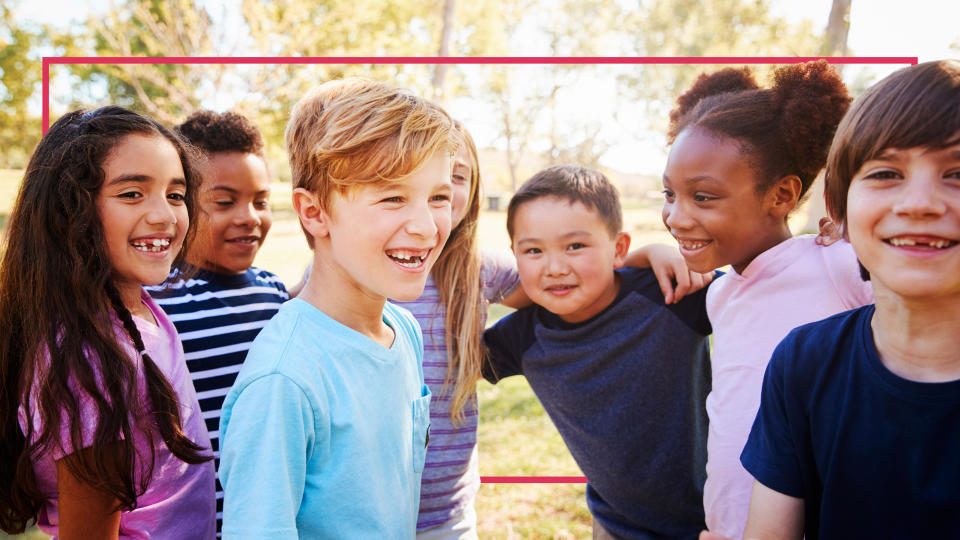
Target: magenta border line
point(544, 60)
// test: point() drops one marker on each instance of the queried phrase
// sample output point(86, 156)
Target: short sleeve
point(498, 275)
point(772, 453)
point(844, 272)
point(506, 341)
point(267, 437)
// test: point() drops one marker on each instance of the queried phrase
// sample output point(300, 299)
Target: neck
point(331, 291)
point(130, 295)
point(776, 235)
point(918, 339)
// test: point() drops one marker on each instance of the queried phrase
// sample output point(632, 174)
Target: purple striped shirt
point(450, 476)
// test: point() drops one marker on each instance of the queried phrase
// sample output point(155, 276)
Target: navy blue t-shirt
point(626, 389)
point(873, 455)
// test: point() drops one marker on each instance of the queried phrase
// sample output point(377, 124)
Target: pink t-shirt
point(179, 502)
point(791, 284)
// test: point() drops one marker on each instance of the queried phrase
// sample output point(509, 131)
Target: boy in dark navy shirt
point(858, 432)
point(623, 376)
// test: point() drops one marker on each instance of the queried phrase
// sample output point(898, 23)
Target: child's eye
point(179, 197)
point(395, 199)
point(442, 197)
point(223, 204)
point(532, 251)
point(668, 195)
point(700, 197)
point(262, 205)
point(576, 245)
point(458, 179)
point(883, 175)
point(130, 195)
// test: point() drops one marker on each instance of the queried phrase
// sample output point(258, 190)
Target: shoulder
point(401, 318)
point(814, 349)
point(691, 310)
point(498, 274)
point(266, 278)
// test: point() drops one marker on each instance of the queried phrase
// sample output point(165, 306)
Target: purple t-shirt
point(179, 502)
point(450, 476)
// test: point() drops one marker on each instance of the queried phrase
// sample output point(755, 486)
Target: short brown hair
point(913, 107)
point(353, 132)
point(576, 184)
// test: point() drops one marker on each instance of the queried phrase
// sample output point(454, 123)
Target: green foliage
point(19, 75)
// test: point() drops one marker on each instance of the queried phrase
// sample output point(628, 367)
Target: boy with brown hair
point(623, 376)
point(324, 433)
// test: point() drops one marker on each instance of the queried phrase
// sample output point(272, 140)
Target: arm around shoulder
point(84, 510)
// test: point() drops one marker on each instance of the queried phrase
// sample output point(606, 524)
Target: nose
point(160, 211)
point(920, 197)
point(421, 221)
point(246, 216)
point(675, 217)
point(557, 265)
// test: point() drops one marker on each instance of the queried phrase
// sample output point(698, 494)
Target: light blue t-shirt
point(324, 433)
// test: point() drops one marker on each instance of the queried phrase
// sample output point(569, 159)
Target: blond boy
point(324, 433)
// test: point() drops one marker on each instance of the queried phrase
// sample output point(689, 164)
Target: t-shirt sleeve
point(772, 453)
point(267, 436)
point(506, 342)
point(844, 272)
point(692, 309)
point(498, 275)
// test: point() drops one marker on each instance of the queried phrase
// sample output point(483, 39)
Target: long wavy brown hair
point(456, 275)
point(57, 299)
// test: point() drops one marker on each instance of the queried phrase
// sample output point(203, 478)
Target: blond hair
point(354, 132)
point(456, 275)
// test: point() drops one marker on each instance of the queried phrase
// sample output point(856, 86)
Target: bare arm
point(516, 299)
point(668, 265)
point(85, 511)
point(773, 516)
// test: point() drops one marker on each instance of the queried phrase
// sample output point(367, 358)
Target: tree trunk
point(446, 33)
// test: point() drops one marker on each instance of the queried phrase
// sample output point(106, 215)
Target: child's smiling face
point(384, 239)
point(712, 206)
point(235, 198)
point(903, 219)
point(142, 211)
point(566, 256)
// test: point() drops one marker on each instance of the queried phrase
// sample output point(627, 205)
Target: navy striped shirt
point(217, 317)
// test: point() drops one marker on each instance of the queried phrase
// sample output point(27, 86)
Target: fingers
point(707, 535)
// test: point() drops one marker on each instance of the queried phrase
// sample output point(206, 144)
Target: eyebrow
point(696, 179)
point(140, 178)
point(565, 236)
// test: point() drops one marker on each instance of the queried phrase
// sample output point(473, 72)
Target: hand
point(829, 232)
point(707, 535)
point(675, 279)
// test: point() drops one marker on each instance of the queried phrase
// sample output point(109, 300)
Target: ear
point(621, 248)
point(313, 218)
point(784, 196)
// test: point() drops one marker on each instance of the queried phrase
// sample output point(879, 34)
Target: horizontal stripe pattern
point(217, 317)
point(450, 477)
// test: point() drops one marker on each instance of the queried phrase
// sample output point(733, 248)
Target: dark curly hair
point(222, 132)
point(785, 130)
point(57, 302)
point(913, 107)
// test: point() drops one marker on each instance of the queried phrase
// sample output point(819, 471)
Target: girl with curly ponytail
point(102, 436)
point(742, 157)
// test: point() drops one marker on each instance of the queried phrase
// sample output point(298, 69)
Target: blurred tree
point(19, 75)
point(703, 28)
point(156, 28)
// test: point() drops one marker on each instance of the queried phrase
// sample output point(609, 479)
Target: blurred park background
point(523, 116)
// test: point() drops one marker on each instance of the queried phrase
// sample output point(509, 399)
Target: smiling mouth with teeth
point(692, 244)
point(155, 245)
point(908, 242)
point(407, 259)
